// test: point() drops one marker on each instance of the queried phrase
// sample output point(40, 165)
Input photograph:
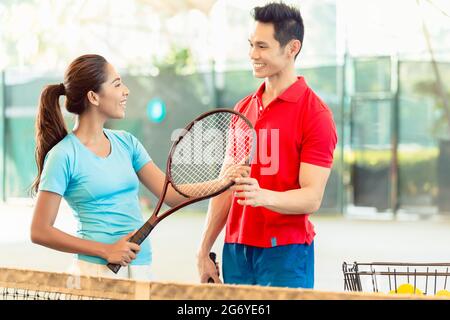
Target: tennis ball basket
point(398, 278)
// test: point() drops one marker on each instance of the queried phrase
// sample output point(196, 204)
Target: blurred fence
point(388, 122)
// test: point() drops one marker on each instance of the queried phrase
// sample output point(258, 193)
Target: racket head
point(230, 141)
point(208, 150)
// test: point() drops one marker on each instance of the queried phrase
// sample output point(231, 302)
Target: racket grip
point(137, 238)
point(114, 267)
point(141, 234)
point(212, 256)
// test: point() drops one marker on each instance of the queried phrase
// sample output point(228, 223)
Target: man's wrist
point(269, 198)
point(201, 254)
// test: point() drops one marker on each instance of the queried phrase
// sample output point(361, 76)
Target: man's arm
point(308, 199)
point(216, 219)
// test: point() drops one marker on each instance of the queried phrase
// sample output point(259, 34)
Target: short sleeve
point(139, 156)
point(319, 140)
point(55, 175)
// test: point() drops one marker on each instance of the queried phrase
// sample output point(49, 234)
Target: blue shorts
point(281, 266)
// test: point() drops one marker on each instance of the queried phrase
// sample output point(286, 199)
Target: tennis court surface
point(338, 239)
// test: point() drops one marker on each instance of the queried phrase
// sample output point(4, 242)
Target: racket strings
point(209, 154)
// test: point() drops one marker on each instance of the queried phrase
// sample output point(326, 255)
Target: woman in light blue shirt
point(96, 170)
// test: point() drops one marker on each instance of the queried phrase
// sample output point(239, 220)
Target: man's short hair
point(287, 21)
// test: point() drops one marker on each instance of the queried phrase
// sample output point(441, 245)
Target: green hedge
point(417, 168)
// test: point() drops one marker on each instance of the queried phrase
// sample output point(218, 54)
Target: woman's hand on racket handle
point(122, 252)
point(208, 269)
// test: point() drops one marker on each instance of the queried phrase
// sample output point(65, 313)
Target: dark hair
point(84, 74)
point(287, 21)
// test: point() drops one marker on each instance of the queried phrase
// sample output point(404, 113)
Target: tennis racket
point(209, 151)
point(212, 256)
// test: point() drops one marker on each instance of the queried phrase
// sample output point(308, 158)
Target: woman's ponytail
point(50, 126)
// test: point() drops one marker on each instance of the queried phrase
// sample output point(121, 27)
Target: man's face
point(265, 53)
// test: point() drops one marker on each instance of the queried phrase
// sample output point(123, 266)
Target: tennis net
point(20, 284)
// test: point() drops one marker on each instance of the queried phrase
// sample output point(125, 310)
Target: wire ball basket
point(398, 278)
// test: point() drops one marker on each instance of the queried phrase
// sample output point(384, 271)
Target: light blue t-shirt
point(102, 192)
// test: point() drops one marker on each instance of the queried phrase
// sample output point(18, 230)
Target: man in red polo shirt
point(269, 238)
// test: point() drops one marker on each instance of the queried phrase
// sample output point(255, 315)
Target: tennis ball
point(406, 288)
point(443, 293)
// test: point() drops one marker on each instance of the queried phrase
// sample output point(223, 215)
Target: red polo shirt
point(295, 127)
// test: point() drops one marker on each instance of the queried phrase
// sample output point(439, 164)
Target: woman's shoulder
point(64, 147)
point(117, 133)
point(64, 151)
point(123, 136)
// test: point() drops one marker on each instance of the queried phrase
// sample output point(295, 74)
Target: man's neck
point(277, 84)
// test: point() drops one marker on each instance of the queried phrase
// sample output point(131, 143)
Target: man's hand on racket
point(208, 269)
point(249, 193)
point(122, 252)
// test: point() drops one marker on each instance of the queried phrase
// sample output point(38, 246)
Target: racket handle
point(142, 233)
point(114, 267)
point(212, 256)
point(137, 238)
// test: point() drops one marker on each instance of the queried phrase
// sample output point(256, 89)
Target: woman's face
point(113, 95)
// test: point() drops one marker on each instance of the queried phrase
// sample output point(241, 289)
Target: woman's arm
point(153, 179)
point(44, 233)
